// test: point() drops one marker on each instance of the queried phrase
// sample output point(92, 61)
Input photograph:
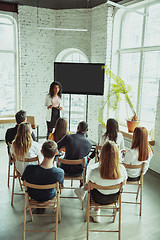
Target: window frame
point(13, 18)
point(117, 50)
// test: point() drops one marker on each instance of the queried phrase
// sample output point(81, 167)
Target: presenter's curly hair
point(53, 84)
point(23, 141)
point(109, 161)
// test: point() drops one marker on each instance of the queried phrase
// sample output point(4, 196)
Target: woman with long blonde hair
point(24, 147)
point(140, 152)
point(108, 171)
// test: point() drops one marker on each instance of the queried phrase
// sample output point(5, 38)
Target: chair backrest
point(35, 186)
point(129, 166)
point(34, 159)
point(28, 160)
point(92, 185)
point(31, 120)
point(71, 162)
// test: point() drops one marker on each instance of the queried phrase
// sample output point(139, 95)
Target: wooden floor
point(72, 226)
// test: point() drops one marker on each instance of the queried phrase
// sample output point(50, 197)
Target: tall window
point(77, 109)
point(139, 61)
point(8, 66)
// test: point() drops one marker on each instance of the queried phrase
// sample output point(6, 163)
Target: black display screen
point(80, 78)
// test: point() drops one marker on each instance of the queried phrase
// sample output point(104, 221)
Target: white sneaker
point(81, 193)
point(94, 216)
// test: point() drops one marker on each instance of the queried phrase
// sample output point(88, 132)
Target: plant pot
point(131, 125)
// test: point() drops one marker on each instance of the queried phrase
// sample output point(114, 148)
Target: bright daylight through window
point(139, 62)
point(8, 66)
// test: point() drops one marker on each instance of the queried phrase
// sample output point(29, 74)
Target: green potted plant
point(117, 89)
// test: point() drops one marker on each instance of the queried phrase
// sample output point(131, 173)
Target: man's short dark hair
point(49, 149)
point(82, 126)
point(20, 116)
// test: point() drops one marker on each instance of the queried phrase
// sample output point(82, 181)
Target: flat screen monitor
point(80, 78)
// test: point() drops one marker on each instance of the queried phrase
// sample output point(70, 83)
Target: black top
point(36, 174)
point(11, 133)
point(77, 146)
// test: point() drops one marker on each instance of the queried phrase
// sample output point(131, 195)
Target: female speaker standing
point(53, 101)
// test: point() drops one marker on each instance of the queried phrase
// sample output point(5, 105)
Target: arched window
point(76, 111)
point(138, 62)
point(8, 66)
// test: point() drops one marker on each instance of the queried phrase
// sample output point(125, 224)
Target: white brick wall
point(101, 35)
point(39, 48)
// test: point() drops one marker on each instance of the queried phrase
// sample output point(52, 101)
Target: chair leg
point(30, 211)
point(71, 183)
point(82, 204)
point(9, 165)
point(86, 215)
point(119, 233)
point(137, 191)
point(114, 212)
point(19, 179)
point(14, 170)
point(141, 202)
point(60, 188)
point(56, 227)
point(59, 214)
point(24, 219)
point(87, 218)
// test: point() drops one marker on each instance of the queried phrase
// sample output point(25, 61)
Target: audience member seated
point(108, 171)
point(60, 130)
point(44, 174)
point(24, 147)
point(112, 133)
point(11, 132)
point(77, 146)
point(140, 152)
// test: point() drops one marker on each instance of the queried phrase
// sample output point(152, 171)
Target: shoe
point(81, 193)
point(94, 216)
point(38, 210)
point(81, 184)
point(41, 210)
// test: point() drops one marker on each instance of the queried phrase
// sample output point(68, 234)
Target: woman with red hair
point(140, 152)
point(107, 172)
